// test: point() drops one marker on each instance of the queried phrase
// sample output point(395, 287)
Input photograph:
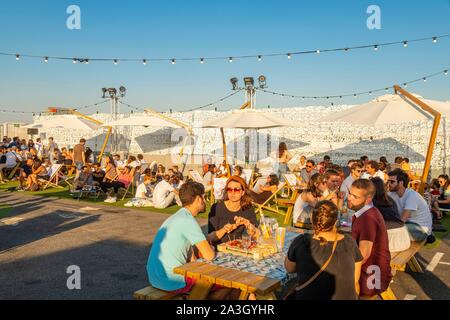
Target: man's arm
point(366, 249)
point(205, 250)
point(406, 215)
point(83, 156)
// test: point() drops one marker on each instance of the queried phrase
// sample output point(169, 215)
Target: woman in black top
point(229, 219)
point(386, 205)
point(308, 253)
point(398, 235)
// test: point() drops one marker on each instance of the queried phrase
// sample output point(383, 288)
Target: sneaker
point(108, 199)
point(113, 200)
point(20, 189)
point(128, 204)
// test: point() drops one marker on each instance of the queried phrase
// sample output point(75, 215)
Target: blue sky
point(162, 29)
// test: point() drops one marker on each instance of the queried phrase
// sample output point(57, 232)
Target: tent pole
point(225, 151)
point(434, 132)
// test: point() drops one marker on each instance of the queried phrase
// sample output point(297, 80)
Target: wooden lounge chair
point(53, 178)
point(276, 202)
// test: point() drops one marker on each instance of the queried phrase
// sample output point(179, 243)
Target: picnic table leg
point(388, 294)
point(200, 290)
point(414, 265)
point(244, 295)
point(270, 296)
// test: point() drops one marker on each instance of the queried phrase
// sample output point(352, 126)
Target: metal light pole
point(114, 96)
point(250, 103)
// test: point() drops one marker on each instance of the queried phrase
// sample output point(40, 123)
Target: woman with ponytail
point(327, 263)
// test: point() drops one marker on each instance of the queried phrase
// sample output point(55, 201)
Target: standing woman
point(328, 264)
point(284, 156)
point(229, 219)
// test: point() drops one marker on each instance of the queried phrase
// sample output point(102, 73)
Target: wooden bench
point(151, 293)
point(399, 260)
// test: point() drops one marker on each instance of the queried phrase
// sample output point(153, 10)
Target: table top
point(230, 278)
point(261, 276)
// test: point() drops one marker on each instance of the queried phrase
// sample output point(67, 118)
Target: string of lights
point(202, 60)
point(356, 94)
point(34, 113)
point(134, 108)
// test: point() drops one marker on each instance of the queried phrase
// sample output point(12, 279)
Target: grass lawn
point(65, 194)
point(440, 235)
point(4, 210)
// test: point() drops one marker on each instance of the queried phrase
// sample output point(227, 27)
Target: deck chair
point(131, 187)
point(14, 170)
point(53, 180)
point(292, 182)
point(276, 202)
point(144, 167)
point(196, 176)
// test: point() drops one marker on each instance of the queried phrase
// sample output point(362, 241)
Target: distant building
point(11, 130)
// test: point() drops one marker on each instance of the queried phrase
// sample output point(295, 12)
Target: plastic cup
point(280, 237)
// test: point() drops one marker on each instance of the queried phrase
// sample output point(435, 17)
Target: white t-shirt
point(416, 204)
point(118, 163)
point(141, 189)
point(134, 164)
point(345, 187)
point(161, 191)
point(379, 174)
point(11, 159)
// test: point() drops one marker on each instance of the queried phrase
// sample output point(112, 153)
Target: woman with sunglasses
point(317, 190)
point(229, 219)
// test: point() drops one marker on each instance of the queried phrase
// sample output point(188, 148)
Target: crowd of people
point(384, 208)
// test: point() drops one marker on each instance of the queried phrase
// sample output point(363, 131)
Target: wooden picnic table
point(207, 275)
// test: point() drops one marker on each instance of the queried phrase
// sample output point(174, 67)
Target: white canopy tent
point(247, 119)
point(388, 109)
point(402, 107)
point(70, 122)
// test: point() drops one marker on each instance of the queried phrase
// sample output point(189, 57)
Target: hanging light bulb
point(174, 61)
point(86, 61)
point(115, 61)
point(202, 60)
point(445, 72)
point(144, 62)
point(434, 39)
point(289, 56)
point(259, 58)
point(46, 59)
point(346, 49)
point(405, 44)
point(424, 79)
point(354, 95)
point(405, 85)
point(74, 61)
point(375, 47)
point(230, 59)
point(17, 57)
point(370, 93)
point(387, 89)
point(317, 51)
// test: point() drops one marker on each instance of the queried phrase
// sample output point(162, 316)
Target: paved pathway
point(42, 237)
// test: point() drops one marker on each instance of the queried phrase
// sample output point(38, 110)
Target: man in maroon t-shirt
point(370, 233)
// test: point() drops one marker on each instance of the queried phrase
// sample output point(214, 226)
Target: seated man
point(164, 193)
point(98, 174)
point(176, 242)
point(142, 199)
point(412, 206)
point(373, 170)
point(11, 159)
point(307, 172)
point(370, 233)
point(25, 172)
point(84, 179)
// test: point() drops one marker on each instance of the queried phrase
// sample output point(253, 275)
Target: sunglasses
point(230, 190)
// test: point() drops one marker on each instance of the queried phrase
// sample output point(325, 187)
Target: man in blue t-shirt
point(176, 239)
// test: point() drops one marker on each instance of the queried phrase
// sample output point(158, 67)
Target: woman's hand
point(242, 221)
point(228, 228)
